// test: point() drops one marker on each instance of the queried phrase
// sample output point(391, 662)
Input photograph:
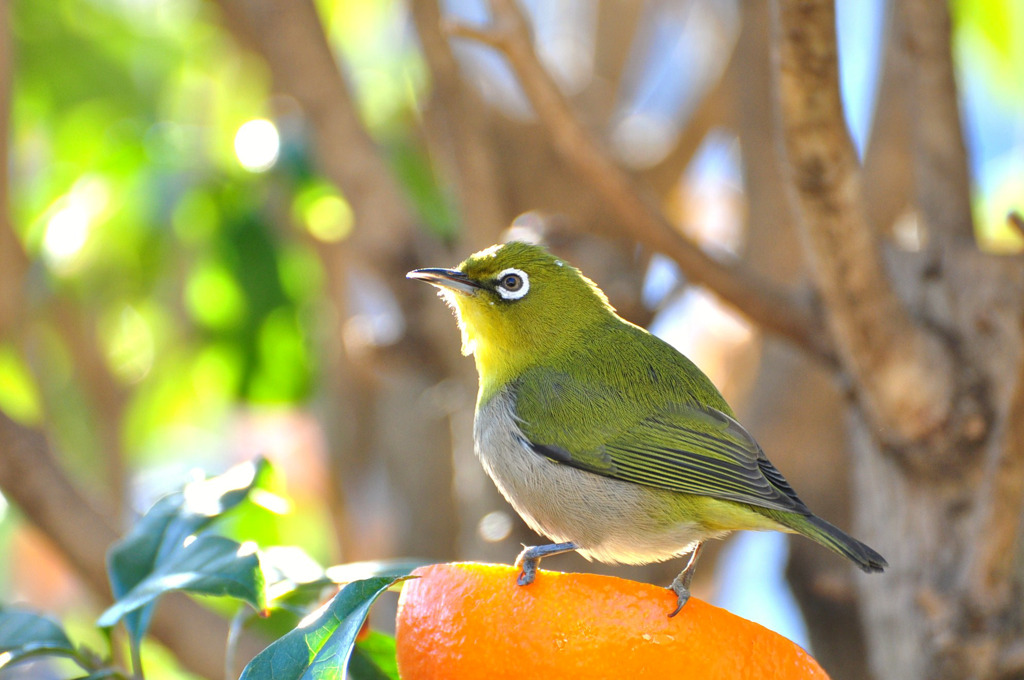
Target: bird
point(603, 437)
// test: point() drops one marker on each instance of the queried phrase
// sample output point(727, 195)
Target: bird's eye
point(513, 284)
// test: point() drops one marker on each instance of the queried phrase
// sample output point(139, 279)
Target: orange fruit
point(465, 621)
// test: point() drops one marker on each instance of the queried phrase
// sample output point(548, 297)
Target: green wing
point(685, 448)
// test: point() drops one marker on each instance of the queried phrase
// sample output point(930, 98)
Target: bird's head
point(517, 303)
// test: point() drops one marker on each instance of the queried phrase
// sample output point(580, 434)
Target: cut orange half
point(471, 621)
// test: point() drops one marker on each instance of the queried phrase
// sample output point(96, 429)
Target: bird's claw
point(531, 556)
point(682, 596)
point(681, 584)
point(528, 567)
point(528, 573)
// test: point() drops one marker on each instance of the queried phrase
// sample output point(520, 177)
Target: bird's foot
point(528, 572)
point(682, 595)
point(530, 557)
point(681, 584)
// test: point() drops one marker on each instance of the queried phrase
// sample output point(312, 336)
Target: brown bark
point(878, 342)
point(618, 25)
point(458, 118)
point(107, 397)
point(1001, 498)
point(33, 479)
point(888, 172)
point(940, 156)
point(940, 614)
point(794, 409)
point(941, 499)
point(290, 37)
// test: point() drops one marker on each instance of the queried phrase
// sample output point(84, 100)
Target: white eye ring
point(513, 293)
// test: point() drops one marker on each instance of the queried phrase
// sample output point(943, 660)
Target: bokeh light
point(329, 218)
point(495, 526)
point(71, 219)
point(257, 145)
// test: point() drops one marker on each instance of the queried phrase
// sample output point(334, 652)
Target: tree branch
point(107, 396)
point(940, 157)
point(888, 172)
point(772, 309)
point(33, 479)
point(385, 243)
point(771, 235)
point(619, 25)
point(1015, 220)
point(905, 374)
point(13, 262)
point(289, 35)
point(1001, 511)
point(459, 118)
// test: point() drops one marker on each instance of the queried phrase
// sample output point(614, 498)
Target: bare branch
point(107, 397)
point(385, 243)
point(905, 374)
point(458, 116)
point(888, 171)
point(33, 479)
point(13, 262)
point(619, 26)
point(502, 41)
point(1001, 509)
point(1016, 221)
point(770, 308)
point(940, 157)
point(289, 35)
point(772, 240)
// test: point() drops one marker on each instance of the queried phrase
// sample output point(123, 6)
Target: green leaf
point(24, 634)
point(374, 658)
point(209, 565)
point(176, 517)
point(321, 648)
point(162, 531)
point(295, 585)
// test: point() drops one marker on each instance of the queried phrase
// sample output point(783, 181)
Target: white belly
point(612, 521)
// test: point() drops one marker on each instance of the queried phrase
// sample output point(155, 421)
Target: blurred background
point(209, 208)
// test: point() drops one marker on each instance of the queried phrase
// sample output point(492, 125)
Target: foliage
point(175, 547)
point(199, 274)
point(163, 552)
point(322, 647)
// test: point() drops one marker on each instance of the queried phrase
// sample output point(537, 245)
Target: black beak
point(451, 279)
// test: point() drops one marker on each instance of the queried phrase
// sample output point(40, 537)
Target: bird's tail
point(820, 531)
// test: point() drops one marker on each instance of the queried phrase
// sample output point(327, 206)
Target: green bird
point(603, 437)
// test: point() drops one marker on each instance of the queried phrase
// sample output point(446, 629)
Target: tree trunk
point(930, 344)
point(794, 408)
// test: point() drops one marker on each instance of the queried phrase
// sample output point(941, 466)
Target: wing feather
point(689, 449)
